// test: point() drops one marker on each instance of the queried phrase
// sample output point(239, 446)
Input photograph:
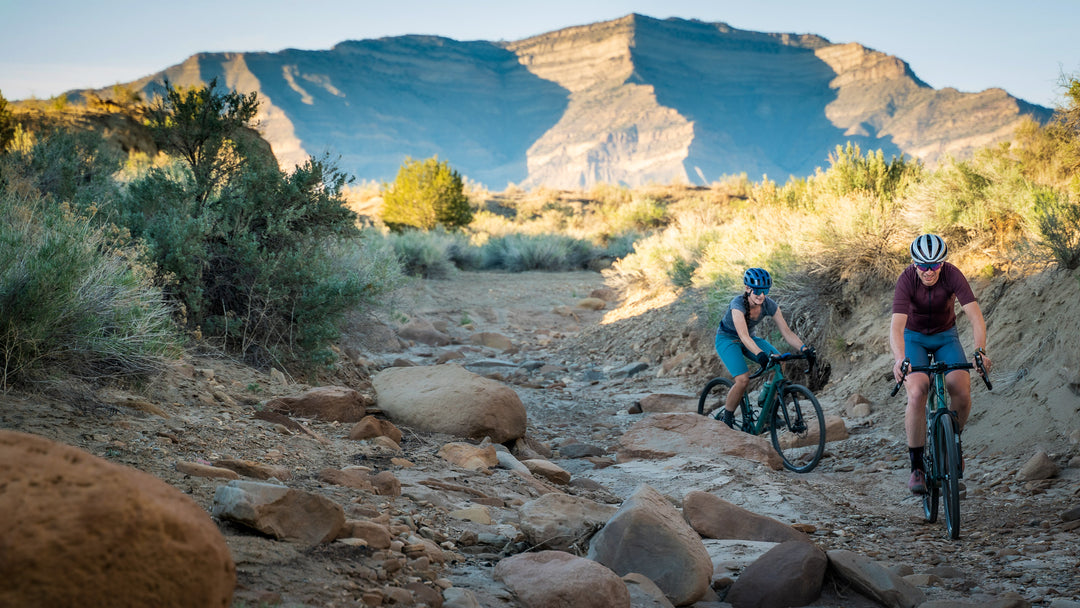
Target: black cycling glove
point(762, 358)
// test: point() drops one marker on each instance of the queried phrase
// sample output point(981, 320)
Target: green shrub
point(67, 300)
point(1058, 220)
point(425, 194)
point(70, 166)
point(1050, 154)
point(638, 214)
point(7, 124)
point(621, 245)
point(981, 202)
point(262, 262)
point(423, 254)
point(204, 128)
point(850, 172)
point(521, 252)
point(255, 267)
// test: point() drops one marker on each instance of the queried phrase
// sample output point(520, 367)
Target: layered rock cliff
point(635, 100)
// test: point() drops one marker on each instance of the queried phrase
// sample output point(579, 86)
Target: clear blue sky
point(51, 46)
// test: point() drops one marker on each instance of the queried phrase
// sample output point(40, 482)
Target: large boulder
point(713, 517)
point(279, 511)
point(649, 536)
point(562, 521)
point(789, 574)
point(666, 435)
point(874, 580)
point(450, 399)
point(78, 530)
point(549, 579)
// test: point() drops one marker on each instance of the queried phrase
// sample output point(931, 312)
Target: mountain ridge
point(634, 100)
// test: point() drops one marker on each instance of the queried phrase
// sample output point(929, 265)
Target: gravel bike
point(789, 411)
point(943, 458)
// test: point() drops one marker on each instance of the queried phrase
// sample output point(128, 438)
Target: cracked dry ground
point(1013, 539)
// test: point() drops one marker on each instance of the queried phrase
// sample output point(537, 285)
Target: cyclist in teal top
point(924, 321)
point(735, 337)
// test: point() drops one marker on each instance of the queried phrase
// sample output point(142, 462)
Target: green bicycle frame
point(766, 402)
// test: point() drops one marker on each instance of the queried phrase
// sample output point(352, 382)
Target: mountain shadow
point(758, 102)
point(372, 103)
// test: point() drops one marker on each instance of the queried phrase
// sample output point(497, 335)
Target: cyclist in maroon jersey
point(924, 321)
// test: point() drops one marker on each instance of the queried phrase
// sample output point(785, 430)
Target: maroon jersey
point(930, 310)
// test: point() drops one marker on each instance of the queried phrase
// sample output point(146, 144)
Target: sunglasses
point(758, 292)
point(928, 267)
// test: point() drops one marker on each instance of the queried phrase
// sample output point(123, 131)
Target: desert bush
point(466, 252)
point(255, 267)
point(668, 258)
point(521, 252)
point(981, 203)
point(861, 247)
point(204, 127)
point(7, 124)
point(425, 194)
point(1057, 217)
point(621, 245)
point(1050, 154)
point(64, 165)
point(262, 262)
point(851, 172)
point(423, 254)
point(637, 214)
point(69, 301)
point(732, 186)
point(610, 194)
point(542, 203)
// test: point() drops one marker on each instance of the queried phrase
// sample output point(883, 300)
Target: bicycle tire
point(798, 429)
point(949, 467)
point(932, 496)
point(714, 396)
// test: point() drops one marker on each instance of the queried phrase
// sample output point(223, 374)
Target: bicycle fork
point(929, 451)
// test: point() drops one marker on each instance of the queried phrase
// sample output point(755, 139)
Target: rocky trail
point(582, 363)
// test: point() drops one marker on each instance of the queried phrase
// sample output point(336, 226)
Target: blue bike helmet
point(928, 249)
point(757, 278)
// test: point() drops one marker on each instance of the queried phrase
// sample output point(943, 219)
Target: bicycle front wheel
point(714, 396)
point(932, 496)
point(798, 429)
point(948, 454)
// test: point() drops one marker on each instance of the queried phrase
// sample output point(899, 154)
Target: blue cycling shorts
point(944, 345)
point(731, 352)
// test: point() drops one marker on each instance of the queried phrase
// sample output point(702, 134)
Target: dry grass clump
point(68, 299)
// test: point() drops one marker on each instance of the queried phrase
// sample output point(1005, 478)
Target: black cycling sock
point(916, 457)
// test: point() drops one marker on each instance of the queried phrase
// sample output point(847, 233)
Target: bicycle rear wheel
point(949, 467)
point(798, 429)
point(714, 396)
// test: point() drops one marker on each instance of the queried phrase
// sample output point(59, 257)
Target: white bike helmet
point(928, 249)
